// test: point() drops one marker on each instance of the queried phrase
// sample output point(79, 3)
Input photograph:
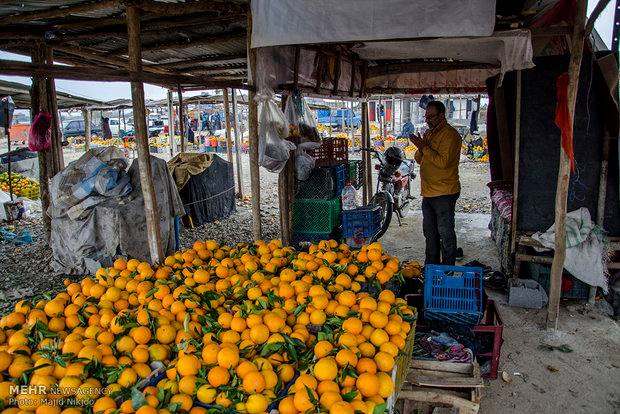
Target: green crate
point(316, 216)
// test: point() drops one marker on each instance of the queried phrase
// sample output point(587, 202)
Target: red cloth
point(563, 119)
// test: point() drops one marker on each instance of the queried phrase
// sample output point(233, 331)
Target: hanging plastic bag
point(273, 148)
point(292, 118)
point(39, 137)
point(307, 123)
point(304, 162)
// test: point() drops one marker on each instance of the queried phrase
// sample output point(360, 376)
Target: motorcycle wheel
point(387, 208)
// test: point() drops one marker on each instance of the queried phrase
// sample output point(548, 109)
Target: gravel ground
point(25, 271)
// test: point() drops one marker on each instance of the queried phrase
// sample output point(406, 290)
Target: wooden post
point(253, 138)
point(181, 123)
point(393, 114)
point(229, 143)
point(515, 184)
point(285, 194)
point(39, 102)
point(366, 163)
point(557, 267)
point(171, 140)
point(57, 157)
point(379, 118)
point(237, 145)
point(504, 132)
point(351, 126)
point(602, 198)
point(86, 113)
point(142, 141)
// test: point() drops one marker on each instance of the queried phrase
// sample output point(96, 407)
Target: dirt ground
point(585, 380)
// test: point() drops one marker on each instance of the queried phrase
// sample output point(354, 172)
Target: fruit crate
point(401, 366)
point(453, 294)
point(324, 183)
point(362, 222)
point(316, 216)
point(355, 173)
point(572, 288)
point(333, 151)
point(32, 194)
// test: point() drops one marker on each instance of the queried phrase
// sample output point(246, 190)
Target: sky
point(106, 91)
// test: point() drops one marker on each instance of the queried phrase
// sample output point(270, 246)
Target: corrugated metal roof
point(21, 96)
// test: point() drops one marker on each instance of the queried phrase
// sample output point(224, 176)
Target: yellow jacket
point(439, 161)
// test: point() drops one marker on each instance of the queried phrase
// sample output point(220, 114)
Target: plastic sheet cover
point(277, 22)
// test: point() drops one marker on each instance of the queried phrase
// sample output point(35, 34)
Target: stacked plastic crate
point(317, 206)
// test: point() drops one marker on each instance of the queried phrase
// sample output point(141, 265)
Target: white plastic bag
point(304, 162)
point(292, 118)
point(307, 123)
point(273, 148)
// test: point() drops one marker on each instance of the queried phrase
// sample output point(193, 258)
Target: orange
point(218, 376)
point(366, 365)
point(254, 382)
point(385, 361)
point(329, 398)
point(378, 319)
point(188, 365)
point(302, 401)
point(287, 406)
point(322, 348)
point(386, 385)
point(206, 394)
point(256, 404)
point(325, 369)
point(341, 407)
point(303, 381)
point(346, 356)
point(352, 325)
point(141, 335)
point(165, 334)
point(367, 384)
point(128, 377)
point(209, 353)
point(379, 337)
point(228, 357)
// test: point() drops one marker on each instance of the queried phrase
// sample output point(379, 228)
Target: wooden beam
point(92, 54)
point(214, 69)
point(352, 86)
point(237, 146)
point(504, 131)
point(285, 197)
point(424, 66)
point(337, 74)
point(238, 34)
point(517, 152)
point(151, 208)
point(296, 67)
point(38, 103)
point(319, 71)
point(557, 267)
point(229, 143)
point(550, 31)
point(596, 12)
point(15, 68)
point(210, 58)
point(222, 7)
point(181, 121)
point(55, 12)
point(602, 198)
point(171, 128)
point(253, 139)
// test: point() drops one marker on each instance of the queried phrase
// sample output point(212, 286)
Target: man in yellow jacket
point(438, 154)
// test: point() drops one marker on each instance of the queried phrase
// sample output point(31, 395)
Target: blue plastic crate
point(362, 222)
point(340, 177)
point(453, 294)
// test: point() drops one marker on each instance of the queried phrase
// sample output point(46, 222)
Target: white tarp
point(509, 50)
point(277, 22)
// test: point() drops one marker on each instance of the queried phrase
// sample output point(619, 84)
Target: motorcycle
point(393, 194)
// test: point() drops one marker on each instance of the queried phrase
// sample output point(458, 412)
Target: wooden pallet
point(441, 387)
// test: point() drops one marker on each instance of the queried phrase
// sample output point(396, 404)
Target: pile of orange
point(228, 328)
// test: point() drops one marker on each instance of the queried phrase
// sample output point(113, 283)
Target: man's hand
point(417, 140)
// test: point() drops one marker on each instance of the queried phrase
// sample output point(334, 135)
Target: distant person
point(438, 155)
point(408, 129)
point(105, 128)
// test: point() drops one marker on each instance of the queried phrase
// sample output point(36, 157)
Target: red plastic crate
point(492, 325)
point(332, 152)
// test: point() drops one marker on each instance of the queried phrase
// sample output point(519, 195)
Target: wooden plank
point(454, 382)
point(503, 131)
point(602, 197)
point(237, 146)
point(253, 139)
point(442, 366)
point(557, 268)
point(55, 12)
point(596, 12)
point(151, 208)
point(465, 406)
point(413, 373)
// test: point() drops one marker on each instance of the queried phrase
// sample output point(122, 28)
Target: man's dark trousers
point(438, 226)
